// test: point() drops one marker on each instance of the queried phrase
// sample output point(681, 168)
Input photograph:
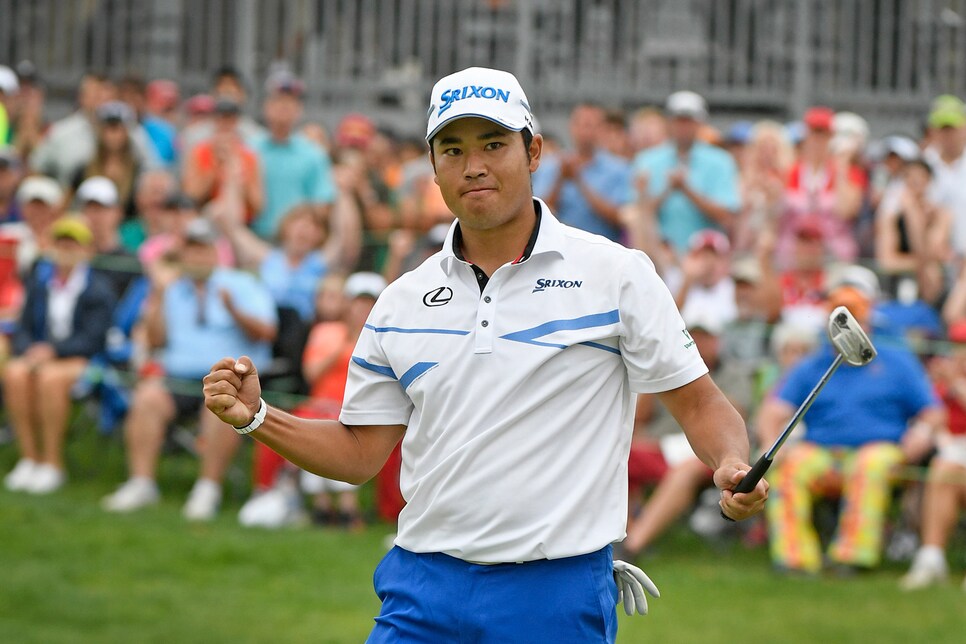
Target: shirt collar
point(547, 237)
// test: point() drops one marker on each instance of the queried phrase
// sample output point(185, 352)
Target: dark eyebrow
point(495, 134)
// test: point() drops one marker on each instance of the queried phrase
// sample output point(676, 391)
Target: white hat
point(39, 188)
point(704, 319)
point(8, 81)
point(99, 190)
point(858, 277)
point(481, 92)
point(687, 104)
point(364, 283)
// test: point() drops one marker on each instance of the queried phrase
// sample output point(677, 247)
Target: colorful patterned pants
point(862, 476)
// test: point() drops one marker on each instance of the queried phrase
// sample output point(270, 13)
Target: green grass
point(72, 573)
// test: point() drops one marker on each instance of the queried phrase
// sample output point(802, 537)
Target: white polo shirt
point(518, 400)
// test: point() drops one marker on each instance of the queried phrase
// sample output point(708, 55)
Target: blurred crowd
point(149, 233)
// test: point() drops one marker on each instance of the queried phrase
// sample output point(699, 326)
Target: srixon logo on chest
point(450, 96)
point(543, 284)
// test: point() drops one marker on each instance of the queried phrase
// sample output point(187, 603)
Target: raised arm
point(324, 447)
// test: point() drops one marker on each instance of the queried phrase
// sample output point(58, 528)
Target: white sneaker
point(273, 508)
point(20, 475)
point(45, 479)
point(203, 502)
point(927, 569)
point(136, 493)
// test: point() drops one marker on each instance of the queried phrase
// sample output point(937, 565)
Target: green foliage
point(70, 572)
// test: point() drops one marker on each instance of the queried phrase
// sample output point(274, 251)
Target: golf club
point(854, 347)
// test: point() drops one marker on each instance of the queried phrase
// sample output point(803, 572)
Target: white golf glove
point(631, 584)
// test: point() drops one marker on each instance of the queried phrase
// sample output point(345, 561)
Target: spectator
point(647, 129)
point(585, 187)
point(150, 194)
point(945, 492)
point(114, 156)
point(767, 158)
point(802, 283)
point(947, 125)
point(695, 185)
point(614, 137)
point(223, 165)
point(195, 312)
point(64, 321)
point(913, 237)
point(823, 188)
point(101, 208)
point(308, 249)
point(28, 123)
point(11, 172)
point(865, 423)
point(707, 288)
point(71, 142)
point(176, 214)
point(890, 155)
point(325, 367)
point(226, 83)
point(294, 170)
point(41, 201)
point(160, 119)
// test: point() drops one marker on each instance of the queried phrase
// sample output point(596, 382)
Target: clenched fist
point(232, 390)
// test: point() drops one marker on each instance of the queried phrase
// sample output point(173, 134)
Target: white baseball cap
point(364, 283)
point(858, 277)
point(480, 92)
point(9, 84)
point(688, 105)
point(99, 190)
point(40, 188)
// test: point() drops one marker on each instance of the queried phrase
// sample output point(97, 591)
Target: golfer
point(507, 365)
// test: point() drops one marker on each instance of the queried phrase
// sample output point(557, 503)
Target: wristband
point(256, 421)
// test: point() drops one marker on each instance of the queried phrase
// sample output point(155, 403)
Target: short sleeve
point(655, 344)
point(373, 394)
point(724, 186)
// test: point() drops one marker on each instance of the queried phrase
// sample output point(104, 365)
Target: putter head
point(849, 339)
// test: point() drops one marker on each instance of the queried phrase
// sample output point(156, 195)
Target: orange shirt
point(207, 162)
point(325, 340)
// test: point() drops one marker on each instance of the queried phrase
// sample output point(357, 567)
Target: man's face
point(683, 130)
point(68, 253)
point(358, 310)
point(198, 261)
point(282, 111)
point(38, 216)
point(586, 122)
point(153, 188)
point(483, 171)
point(949, 139)
point(103, 220)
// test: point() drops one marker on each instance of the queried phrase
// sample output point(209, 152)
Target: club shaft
point(770, 454)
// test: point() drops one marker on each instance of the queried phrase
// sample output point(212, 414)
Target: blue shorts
point(438, 599)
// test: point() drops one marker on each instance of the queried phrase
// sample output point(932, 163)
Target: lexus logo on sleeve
point(438, 296)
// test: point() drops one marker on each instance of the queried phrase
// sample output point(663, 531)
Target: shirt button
point(487, 299)
point(484, 323)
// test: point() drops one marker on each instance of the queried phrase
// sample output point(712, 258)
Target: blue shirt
point(860, 405)
point(197, 337)
point(711, 172)
point(606, 174)
point(163, 137)
point(293, 172)
point(294, 286)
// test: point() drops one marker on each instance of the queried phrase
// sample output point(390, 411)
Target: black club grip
point(754, 475)
point(751, 479)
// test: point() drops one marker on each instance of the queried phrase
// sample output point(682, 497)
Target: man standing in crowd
point(694, 185)
point(294, 170)
point(194, 312)
point(501, 385)
point(582, 186)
